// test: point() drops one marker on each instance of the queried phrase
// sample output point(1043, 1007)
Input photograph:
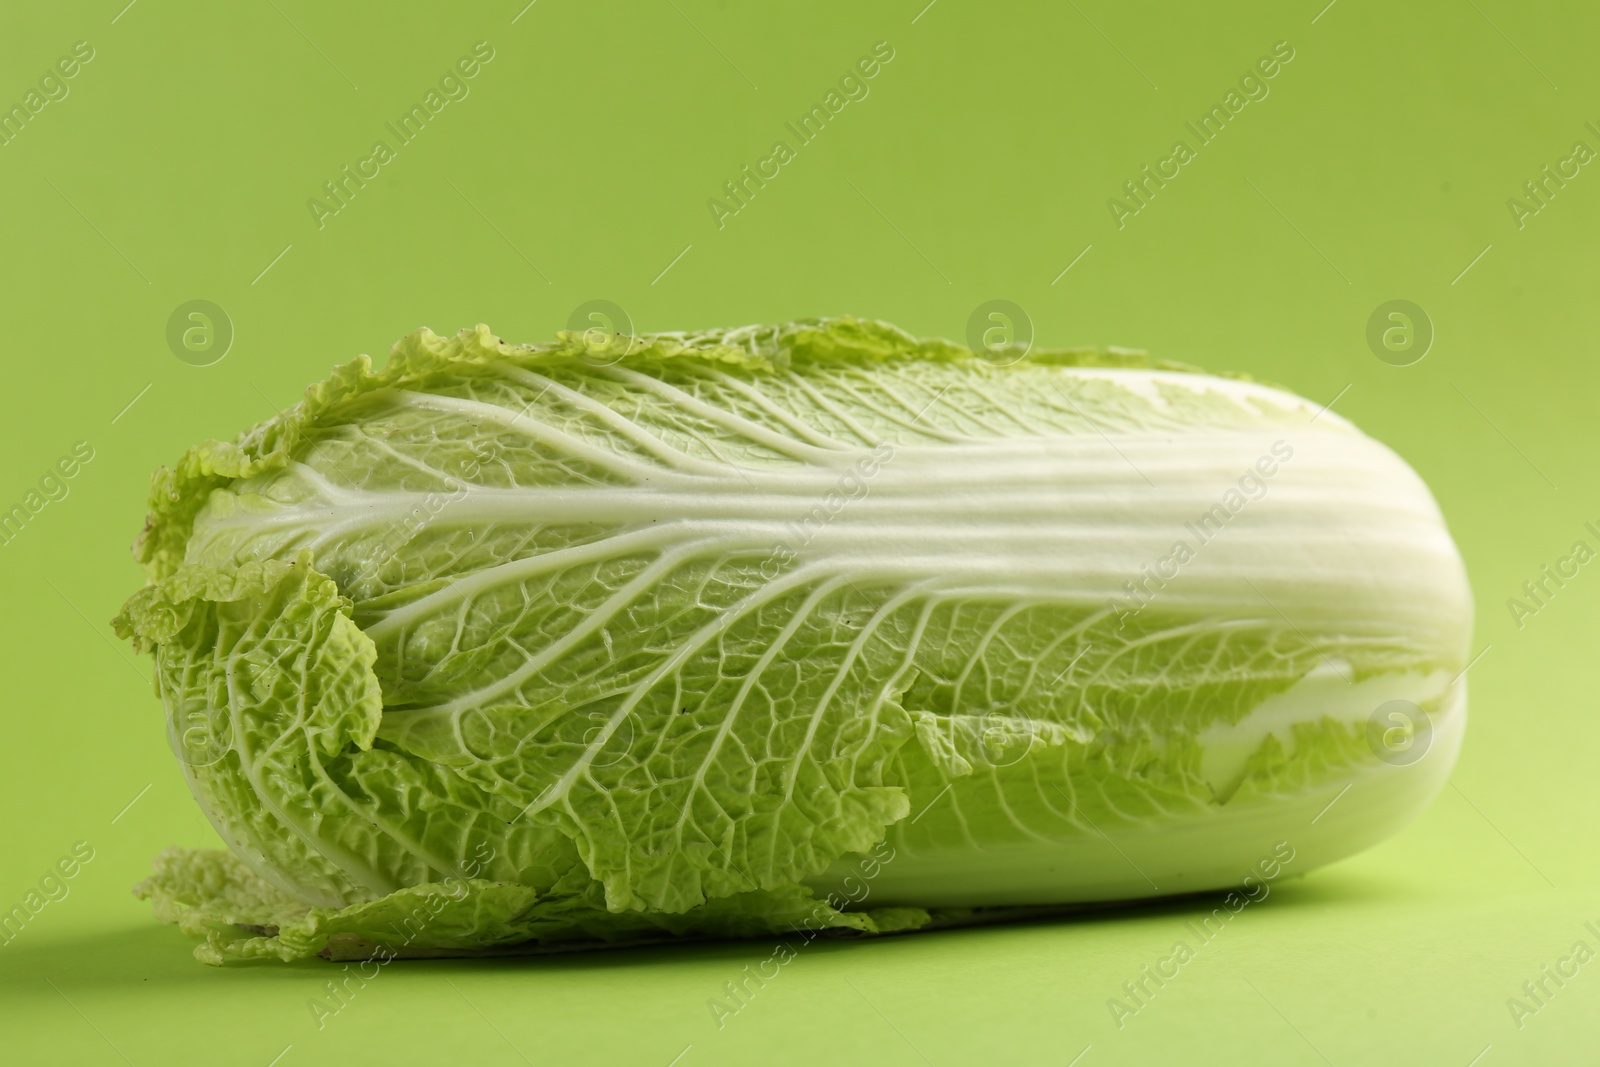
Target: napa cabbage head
point(817, 624)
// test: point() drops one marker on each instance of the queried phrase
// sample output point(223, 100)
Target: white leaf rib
point(374, 816)
point(596, 619)
point(823, 401)
point(897, 419)
point(797, 620)
point(982, 649)
point(357, 871)
point(729, 420)
point(1034, 662)
point(462, 588)
point(319, 482)
point(888, 608)
point(619, 424)
point(669, 665)
point(478, 412)
point(917, 412)
point(412, 462)
point(772, 410)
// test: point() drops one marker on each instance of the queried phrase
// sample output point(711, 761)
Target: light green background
point(978, 167)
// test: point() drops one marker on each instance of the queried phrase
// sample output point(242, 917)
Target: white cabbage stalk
point(814, 623)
